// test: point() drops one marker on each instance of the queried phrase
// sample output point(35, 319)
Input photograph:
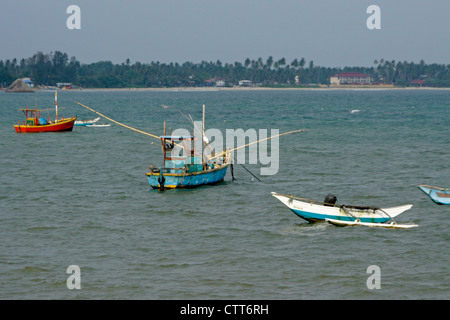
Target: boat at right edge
point(436, 194)
point(343, 215)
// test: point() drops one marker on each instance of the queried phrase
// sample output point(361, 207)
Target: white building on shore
point(350, 78)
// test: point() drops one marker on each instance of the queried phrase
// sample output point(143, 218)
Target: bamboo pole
point(278, 135)
point(120, 124)
point(210, 158)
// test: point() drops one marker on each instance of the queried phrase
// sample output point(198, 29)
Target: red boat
point(35, 123)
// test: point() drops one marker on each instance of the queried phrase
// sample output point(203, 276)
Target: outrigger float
point(344, 215)
point(437, 195)
point(36, 123)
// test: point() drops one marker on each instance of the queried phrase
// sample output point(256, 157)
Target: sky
point(329, 32)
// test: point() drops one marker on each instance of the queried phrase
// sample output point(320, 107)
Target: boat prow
point(437, 195)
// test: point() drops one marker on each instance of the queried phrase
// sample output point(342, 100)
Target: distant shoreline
point(321, 88)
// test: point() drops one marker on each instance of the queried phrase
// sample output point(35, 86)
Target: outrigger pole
point(120, 124)
point(203, 131)
point(278, 135)
point(152, 135)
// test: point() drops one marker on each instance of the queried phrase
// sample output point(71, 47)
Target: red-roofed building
point(417, 82)
point(350, 78)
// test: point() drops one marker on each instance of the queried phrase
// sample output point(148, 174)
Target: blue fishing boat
point(436, 194)
point(185, 163)
point(328, 210)
point(184, 167)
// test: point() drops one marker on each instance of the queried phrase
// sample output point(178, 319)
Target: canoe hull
point(313, 211)
point(85, 122)
point(187, 180)
point(61, 125)
point(437, 195)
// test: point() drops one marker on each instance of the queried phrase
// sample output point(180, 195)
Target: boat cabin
point(180, 155)
point(33, 117)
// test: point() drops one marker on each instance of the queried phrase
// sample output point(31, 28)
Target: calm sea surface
point(82, 198)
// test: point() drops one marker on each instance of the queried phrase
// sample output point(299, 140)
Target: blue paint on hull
point(188, 180)
point(437, 195)
point(311, 216)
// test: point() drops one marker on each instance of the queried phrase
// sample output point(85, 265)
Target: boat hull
point(61, 125)
point(83, 123)
point(437, 195)
point(313, 211)
point(187, 180)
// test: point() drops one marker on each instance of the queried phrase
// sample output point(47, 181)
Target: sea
point(78, 219)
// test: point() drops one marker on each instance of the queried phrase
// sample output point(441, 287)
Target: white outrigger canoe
point(343, 215)
point(86, 122)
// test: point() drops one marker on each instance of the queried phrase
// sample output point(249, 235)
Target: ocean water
point(82, 198)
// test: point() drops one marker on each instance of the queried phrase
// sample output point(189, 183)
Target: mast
point(203, 136)
point(203, 126)
point(56, 105)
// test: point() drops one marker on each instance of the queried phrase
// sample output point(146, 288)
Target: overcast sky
point(330, 32)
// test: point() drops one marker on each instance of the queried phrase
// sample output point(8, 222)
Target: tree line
point(47, 69)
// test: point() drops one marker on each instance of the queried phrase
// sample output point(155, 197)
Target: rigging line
point(206, 143)
point(200, 131)
point(246, 168)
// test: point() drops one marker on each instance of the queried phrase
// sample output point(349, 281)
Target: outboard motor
point(330, 200)
point(161, 180)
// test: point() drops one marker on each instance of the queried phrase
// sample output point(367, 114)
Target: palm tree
point(294, 63)
point(282, 62)
point(269, 62)
point(260, 63)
